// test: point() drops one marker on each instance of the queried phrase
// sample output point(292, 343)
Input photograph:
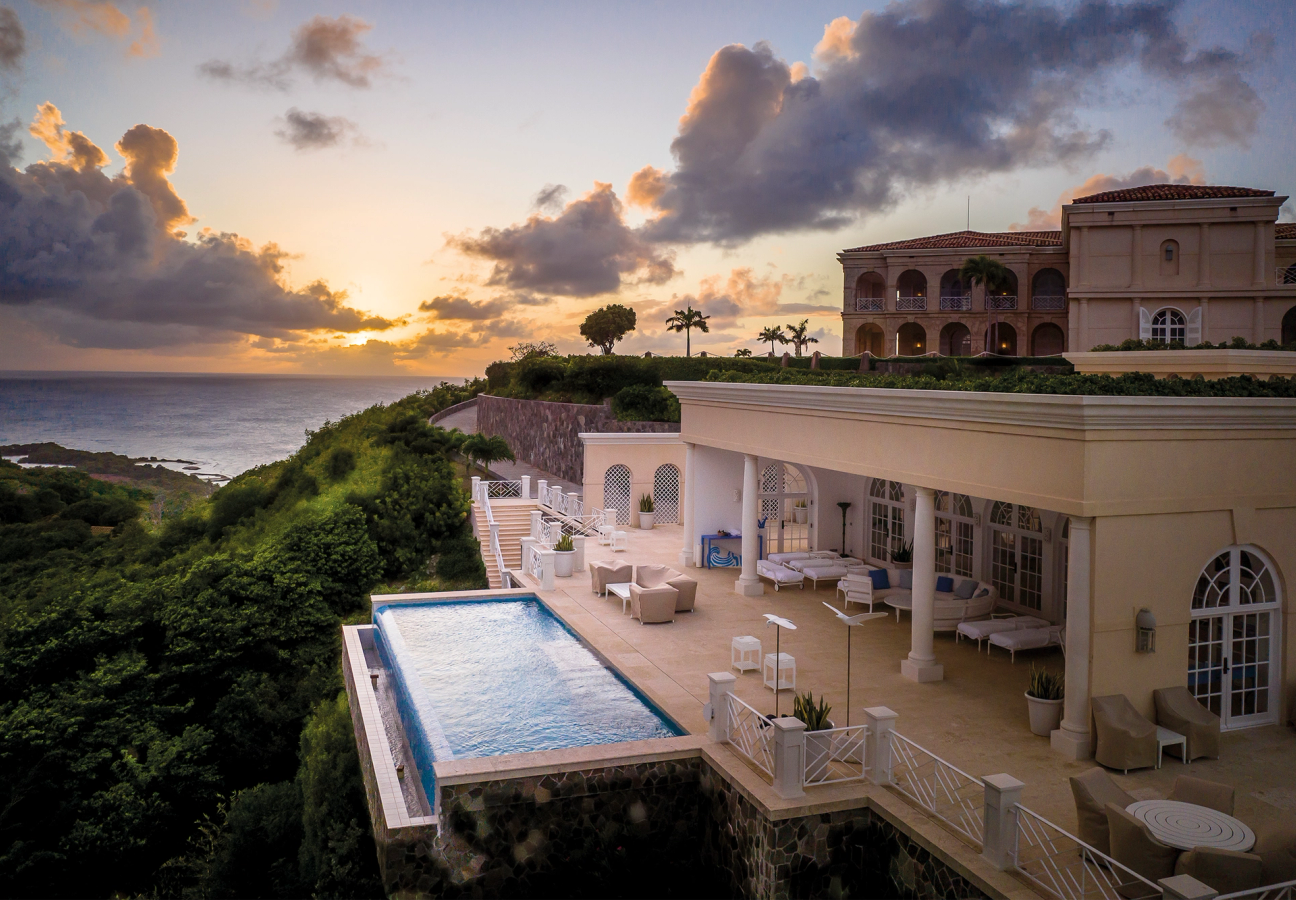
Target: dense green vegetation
point(1238, 343)
point(172, 720)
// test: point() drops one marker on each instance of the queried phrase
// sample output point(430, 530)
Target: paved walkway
point(466, 421)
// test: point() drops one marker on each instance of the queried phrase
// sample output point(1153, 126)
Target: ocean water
point(224, 424)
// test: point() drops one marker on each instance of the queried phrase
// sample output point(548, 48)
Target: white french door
point(1233, 639)
point(1017, 555)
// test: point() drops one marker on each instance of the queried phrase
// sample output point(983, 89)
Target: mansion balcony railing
point(870, 304)
point(963, 303)
point(1001, 302)
point(1285, 275)
point(1048, 302)
point(911, 304)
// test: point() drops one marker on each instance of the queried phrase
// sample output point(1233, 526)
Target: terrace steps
point(514, 520)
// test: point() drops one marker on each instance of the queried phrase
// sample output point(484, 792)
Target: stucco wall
point(643, 460)
point(547, 435)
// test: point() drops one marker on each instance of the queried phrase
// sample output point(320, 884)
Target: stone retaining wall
point(547, 435)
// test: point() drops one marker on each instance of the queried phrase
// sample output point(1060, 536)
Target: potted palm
point(903, 557)
point(646, 512)
point(1044, 700)
point(800, 512)
point(817, 723)
point(564, 556)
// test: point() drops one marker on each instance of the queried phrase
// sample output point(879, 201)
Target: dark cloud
point(550, 198)
point(325, 48)
point(13, 40)
point(463, 309)
point(1183, 169)
point(94, 260)
point(315, 131)
point(924, 92)
point(585, 250)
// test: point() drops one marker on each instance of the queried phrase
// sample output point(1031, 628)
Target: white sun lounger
point(1026, 639)
point(823, 570)
point(980, 630)
point(782, 576)
point(782, 559)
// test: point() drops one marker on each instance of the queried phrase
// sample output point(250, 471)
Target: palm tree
point(742, 353)
point(482, 450)
point(992, 275)
point(798, 338)
point(686, 320)
point(772, 335)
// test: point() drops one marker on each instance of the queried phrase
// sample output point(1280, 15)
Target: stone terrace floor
point(976, 718)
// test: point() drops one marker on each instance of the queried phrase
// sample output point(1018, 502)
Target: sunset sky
point(410, 188)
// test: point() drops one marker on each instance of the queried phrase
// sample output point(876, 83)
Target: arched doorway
point(666, 487)
point(955, 340)
point(870, 292)
point(1289, 324)
point(869, 338)
point(1017, 555)
point(955, 534)
point(616, 492)
point(1005, 295)
point(1001, 338)
point(911, 290)
point(1048, 290)
point(1047, 340)
point(1234, 638)
point(911, 339)
point(953, 294)
point(886, 519)
point(785, 499)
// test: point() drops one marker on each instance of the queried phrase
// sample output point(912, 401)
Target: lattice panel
point(666, 493)
point(616, 493)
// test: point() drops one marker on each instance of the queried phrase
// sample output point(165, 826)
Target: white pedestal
point(786, 671)
point(922, 672)
point(746, 653)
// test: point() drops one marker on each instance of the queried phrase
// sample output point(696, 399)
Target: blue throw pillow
point(906, 579)
point(967, 587)
point(880, 580)
point(945, 584)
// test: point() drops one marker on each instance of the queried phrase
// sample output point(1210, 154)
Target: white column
point(921, 664)
point(999, 808)
point(688, 553)
point(542, 491)
point(526, 487)
point(1072, 739)
point(749, 583)
point(476, 485)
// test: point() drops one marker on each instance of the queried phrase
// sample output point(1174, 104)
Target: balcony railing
point(963, 303)
point(1285, 275)
point(870, 304)
point(910, 304)
point(1001, 302)
point(1048, 302)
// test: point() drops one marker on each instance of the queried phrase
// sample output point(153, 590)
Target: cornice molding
point(630, 437)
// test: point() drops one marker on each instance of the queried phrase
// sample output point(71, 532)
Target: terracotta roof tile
point(1285, 231)
point(960, 239)
point(1172, 192)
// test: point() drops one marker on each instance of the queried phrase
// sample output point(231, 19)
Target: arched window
point(666, 493)
point(1048, 290)
point(955, 534)
point(1001, 338)
point(911, 340)
point(956, 340)
point(870, 293)
point(1289, 322)
point(953, 294)
point(869, 339)
point(911, 283)
point(1233, 638)
point(1017, 554)
point(1169, 325)
point(616, 492)
point(785, 506)
point(1047, 340)
point(886, 519)
point(1169, 257)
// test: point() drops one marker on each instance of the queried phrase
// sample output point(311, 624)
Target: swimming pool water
point(506, 676)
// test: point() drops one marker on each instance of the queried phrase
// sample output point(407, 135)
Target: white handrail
point(1065, 866)
point(483, 497)
point(750, 733)
point(939, 787)
point(1283, 890)
point(836, 754)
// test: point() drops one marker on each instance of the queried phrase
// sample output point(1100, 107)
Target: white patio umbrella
point(779, 624)
point(852, 620)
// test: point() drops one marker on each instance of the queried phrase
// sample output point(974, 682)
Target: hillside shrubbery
point(171, 711)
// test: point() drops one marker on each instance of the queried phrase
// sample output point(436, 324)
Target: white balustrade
point(1283, 890)
point(956, 303)
point(1285, 275)
point(1065, 866)
point(911, 304)
point(1001, 302)
point(1048, 302)
point(870, 304)
point(835, 755)
point(503, 490)
point(945, 791)
point(749, 733)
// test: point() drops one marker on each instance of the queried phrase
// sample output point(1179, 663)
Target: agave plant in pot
point(817, 723)
point(1044, 700)
point(902, 556)
point(564, 556)
point(646, 512)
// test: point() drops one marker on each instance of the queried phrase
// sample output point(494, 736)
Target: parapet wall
point(547, 435)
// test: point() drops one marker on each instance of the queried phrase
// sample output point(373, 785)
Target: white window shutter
point(1193, 337)
point(1145, 325)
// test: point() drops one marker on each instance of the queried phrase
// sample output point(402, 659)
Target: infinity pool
point(484, 678)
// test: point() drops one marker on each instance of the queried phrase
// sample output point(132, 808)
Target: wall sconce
point(1145, 627)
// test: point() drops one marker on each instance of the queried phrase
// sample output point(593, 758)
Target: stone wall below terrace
point(547, 435)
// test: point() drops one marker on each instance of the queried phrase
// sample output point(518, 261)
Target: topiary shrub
point(641, 403)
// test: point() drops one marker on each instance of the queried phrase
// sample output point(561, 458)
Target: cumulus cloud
point(88, 18)
point(13, 40)
point(315, 131)
point(995, 87)
point(327, 49)
point(95, 262)
point(463, 309)
point(1181, 169)
point(585, 250)
point(740, 295)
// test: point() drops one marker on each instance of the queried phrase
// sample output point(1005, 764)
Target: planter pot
point(646, 520)
point(564, 561)
point(800, 515)
point(1045, 715)
point(903, 565)
point(818, 748)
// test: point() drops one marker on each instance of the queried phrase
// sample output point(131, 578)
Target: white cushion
point(825, 554)
point(824, 571)
point(775, 572)
point(979, 631)
point(783, 559)
point(1026, 638)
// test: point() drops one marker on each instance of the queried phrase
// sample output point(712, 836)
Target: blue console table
point(714, 557)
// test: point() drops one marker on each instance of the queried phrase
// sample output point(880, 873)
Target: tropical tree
point(990, 274)
point(798, 336)
point(773, 335)
point(607, 325)
point(482, 450)
point(530, 350)
point(686, 320)
point(742, 353)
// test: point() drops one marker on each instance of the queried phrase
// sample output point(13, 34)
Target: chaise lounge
point(1028, 639)
point(781, 576)
point(981, 629)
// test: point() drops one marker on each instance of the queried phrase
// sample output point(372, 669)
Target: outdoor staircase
point(514, 520)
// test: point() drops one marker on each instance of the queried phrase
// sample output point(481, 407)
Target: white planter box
point(1045, 715)
point(646, 520)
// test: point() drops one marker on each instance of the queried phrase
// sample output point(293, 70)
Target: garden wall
point(547, 435)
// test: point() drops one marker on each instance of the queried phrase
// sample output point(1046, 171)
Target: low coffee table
point(899, 602)
point(621, 590)
point(1187, 825)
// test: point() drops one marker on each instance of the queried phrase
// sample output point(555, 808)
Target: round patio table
point(900, 601)
point(1186, 826)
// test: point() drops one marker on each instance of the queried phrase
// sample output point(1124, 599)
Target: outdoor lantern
point(1145, 626)
point(845, 505)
